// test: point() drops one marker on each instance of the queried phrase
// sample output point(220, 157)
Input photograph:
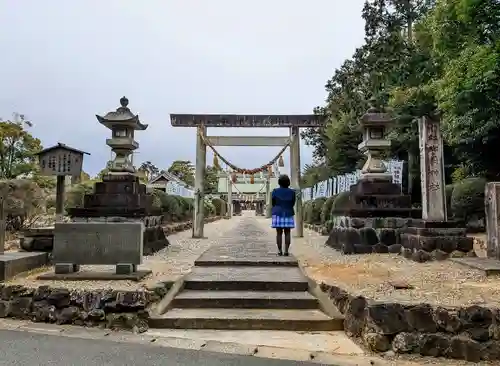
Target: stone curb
point(469, 333)
point(235, 348)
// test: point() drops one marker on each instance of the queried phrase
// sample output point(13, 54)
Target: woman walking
point(283, 200)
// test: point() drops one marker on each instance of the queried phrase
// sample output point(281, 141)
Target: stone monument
point(377, 211)
point(117, 224)
point(433, 237)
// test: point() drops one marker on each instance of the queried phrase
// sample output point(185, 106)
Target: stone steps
point(246, 278)
point(245, 300)
point(247, 319)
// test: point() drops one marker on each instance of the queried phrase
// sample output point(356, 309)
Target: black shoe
point(286, 254)
point(280, 254)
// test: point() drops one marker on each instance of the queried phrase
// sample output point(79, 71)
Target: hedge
point(467, 199)
point(326, 213)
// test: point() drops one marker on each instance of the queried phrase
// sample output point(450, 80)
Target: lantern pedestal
point(377, 211)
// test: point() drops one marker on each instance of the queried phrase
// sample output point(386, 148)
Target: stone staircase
point(244, 292)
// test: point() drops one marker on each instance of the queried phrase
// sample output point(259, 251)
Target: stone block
point(368, 236)
point(13, 263)
point(388, 236)
point(465, 244)
point(446, 243)
point(98, 243)
point(363, 249)
point(380, 248)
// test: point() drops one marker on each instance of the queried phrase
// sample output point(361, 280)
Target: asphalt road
point(30, 349)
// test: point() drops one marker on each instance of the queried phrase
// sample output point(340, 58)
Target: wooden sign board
point(239, 120)
point(61, 160)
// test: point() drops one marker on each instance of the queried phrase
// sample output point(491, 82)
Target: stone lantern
point(123, 124)
point(375, 124)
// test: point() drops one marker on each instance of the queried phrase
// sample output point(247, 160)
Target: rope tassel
point(252, 180)
point(216, 162)
point(281, 162)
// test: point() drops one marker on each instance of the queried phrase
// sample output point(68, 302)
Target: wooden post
point(60, 186)
point(2, 223)
point(201, 160)
point(295, 179)
point(268, 197)
point(229, 196)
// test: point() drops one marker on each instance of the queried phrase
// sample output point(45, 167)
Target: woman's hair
point(284, 181)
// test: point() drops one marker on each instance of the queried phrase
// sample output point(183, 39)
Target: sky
point(64, 61)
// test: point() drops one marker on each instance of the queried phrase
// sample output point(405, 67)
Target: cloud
point(65, 61)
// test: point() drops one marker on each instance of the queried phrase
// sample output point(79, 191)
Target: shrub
point(75, 194)
point(341, 201)
point(326, 209)
point(467, 199)
point(208, 208)
point(24, 203)
point(317, 206)
point(307, 211)
point(219, 205)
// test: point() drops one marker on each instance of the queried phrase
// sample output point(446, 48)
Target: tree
point(17, 148)
point(211, 180)
point(149, 169)
point(184, 170)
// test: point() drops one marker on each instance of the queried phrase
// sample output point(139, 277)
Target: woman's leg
point(288, 239)
point(279, 240)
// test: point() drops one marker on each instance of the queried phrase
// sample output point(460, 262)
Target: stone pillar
point(199, 194)
point(432, 170)
point(229, 196)
point(295, 179)
point(492, 207)
point(60, 193)
point(268, 197)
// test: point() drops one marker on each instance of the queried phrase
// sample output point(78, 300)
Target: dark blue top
point(283, 200)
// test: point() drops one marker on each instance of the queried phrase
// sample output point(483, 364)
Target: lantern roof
point(376, 115)
point(122, 116)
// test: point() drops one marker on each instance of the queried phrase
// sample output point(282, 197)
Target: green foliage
point(341, 201)
point(184, 170)
point(317, 207)
point(307, 211)
point(219, 205)
point(467, 199)
point(326, 209)
point(211, 180)
point(420, 57)
point(17, 149)
point(75, 194)
point(24, 203)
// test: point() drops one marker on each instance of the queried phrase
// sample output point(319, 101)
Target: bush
point(341, 201)
point(467, 199)
point(307, 211)
point(219, 205)
point(24, 204)
point(317, 207)
point(326, 210)
point(75, 194)
point(208, 208)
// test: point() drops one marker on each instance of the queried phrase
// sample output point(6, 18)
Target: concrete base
point(95, 276)
point(490, 266)
point(13, 263)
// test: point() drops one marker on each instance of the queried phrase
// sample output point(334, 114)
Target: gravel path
point(167, 265)
point(444, 282)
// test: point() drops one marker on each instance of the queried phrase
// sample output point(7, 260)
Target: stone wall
point(103, 308)
point(470, 333)
point(351, 235)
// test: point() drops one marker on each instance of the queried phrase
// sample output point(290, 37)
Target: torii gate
point(203, 121)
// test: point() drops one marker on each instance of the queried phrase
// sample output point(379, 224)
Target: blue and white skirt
point(282, 222)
